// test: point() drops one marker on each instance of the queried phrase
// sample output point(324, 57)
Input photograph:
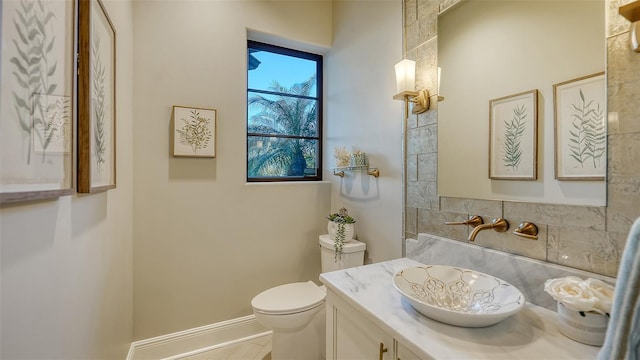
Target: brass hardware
point(382, 350)
point(473, 220)
point(370, 171)
point(499, 225)
point(527, 230)
point(421, 102)
point(420, 98)
point(630, 11)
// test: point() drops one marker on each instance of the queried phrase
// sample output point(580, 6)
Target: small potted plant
point(341, 229)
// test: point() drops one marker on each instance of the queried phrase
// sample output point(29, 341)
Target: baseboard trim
point(197, 340)
point(213, 347)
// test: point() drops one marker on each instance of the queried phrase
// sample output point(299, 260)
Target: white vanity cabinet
point(403, 353)
point(364, 310)
point(350, 335)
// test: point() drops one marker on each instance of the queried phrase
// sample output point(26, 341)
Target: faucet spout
point(499, 225)
point(477, 229)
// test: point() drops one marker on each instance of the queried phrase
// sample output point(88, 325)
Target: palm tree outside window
point(284, 114)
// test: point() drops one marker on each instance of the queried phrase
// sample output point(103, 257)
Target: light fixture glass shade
point(406, 75)
point(634, 36)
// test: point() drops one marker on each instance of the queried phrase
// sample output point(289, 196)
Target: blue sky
point(286, 69)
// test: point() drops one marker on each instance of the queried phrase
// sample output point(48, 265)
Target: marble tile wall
point(583, 237)
point(526, 274)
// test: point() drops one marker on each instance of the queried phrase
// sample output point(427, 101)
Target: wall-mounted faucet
point(473, 220)
point(499, 225)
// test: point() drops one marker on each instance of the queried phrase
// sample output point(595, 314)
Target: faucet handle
point(499, 225)
point(527, 230)
point(473, 220)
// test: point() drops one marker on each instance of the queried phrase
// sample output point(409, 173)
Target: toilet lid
point(289, 298)
point(348, 247)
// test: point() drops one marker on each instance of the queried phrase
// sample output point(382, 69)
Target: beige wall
point(66, 264)
point(584, 237)
point(205, 241)
point(367, 42)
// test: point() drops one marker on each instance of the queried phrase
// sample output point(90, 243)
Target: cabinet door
point(351, 335)
point(357, 338)
point(402, 353)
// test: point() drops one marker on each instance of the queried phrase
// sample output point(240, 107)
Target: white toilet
point(295, 312)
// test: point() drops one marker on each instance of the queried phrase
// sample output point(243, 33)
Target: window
point(284, 114)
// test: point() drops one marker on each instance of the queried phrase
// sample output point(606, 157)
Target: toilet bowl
point(296, 313)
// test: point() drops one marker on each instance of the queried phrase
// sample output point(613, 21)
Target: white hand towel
point(623, 335)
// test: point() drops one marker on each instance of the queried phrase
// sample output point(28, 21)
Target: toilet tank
point(352, 254)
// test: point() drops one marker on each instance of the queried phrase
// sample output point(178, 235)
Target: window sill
point(285, 183)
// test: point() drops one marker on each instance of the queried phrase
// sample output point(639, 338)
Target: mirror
point(493, 49)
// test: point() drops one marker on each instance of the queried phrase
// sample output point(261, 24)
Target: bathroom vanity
point(368, 319)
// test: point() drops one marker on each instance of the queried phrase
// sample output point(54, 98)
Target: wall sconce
point(405, 84)
point(631, 12)
point(634, 36)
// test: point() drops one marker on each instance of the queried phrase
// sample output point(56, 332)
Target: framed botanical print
point(193, 132)
point(580, 128)
point(513, 136)
point(96, 99)
point(37, 102)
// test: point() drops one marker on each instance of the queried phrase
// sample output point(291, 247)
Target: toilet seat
point(289, 298)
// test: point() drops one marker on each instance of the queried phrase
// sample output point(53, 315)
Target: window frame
point(320, 105)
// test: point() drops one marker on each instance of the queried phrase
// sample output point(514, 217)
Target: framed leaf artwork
point(37, 100)
point(96, 99)
point(580, 128)
point(193, 132)
point(513, 136)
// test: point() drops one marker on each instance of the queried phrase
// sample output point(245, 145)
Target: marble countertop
point(530, 334)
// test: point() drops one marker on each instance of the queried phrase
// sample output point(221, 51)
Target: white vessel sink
point(458, 296)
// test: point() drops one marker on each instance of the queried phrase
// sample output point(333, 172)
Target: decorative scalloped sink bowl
point(458, 296)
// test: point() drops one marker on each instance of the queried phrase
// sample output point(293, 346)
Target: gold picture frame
point(37, 117)
point(579, 115)
point(96, 98)
point(513, 137)
point(193, 132)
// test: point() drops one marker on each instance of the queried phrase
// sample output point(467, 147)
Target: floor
point(254, 349)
